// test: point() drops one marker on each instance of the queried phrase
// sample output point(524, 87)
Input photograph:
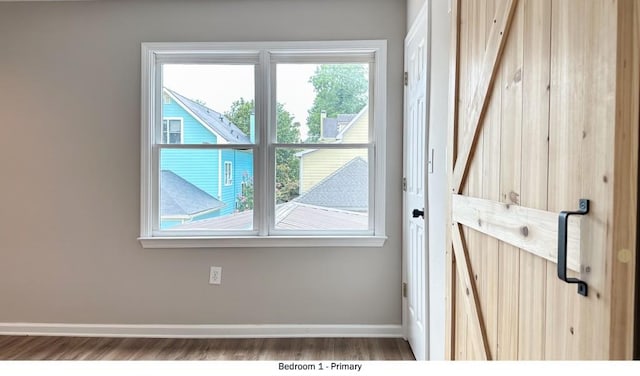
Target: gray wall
point(70, 163)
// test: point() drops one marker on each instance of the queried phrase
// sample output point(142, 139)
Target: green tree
point(240, 114)
point(340, 89)
point(287, 164)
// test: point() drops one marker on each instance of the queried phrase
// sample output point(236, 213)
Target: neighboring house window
point(312, 176)
point(228, 173)
point(172, 131)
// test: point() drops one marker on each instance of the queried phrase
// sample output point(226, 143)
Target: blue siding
point(242, 162)
point(198, 167)
point(205, 168)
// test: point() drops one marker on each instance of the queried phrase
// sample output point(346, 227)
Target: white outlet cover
point(215, 275)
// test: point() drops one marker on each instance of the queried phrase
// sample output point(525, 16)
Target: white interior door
point(415, 305)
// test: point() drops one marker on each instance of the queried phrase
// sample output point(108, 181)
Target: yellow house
point(317, 164)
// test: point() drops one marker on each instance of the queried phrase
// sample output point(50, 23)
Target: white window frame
point(228, 173)
point(168, 119)
point(265, 56)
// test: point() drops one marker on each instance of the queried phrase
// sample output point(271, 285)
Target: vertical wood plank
point(450, 272)
point(491, 190)
point(597, 141)
point(463, 346)
point(623, 217)
point(535, 150)
point(510, 173)
point(461, 321)
point(567, 96)
point(464, 86)
point(474, 180)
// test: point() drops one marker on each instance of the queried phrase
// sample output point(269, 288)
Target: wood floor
point(83, 348)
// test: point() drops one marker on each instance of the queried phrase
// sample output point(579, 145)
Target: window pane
point(214, 101)
point(322, 103)
point(174, 138)
point(193, 195)
point(175, 126)
point(322, 189)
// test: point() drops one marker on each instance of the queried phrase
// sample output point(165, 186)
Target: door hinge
point(404, 184)
point(406, 78)
point(404, 289)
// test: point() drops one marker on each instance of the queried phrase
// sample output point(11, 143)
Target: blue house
point(199, 184)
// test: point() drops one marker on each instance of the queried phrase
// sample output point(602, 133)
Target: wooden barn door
point(543, 113)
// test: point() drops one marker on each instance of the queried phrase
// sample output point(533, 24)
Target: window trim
point(168, 119)
point(265, 55)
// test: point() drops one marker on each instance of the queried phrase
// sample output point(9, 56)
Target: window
point(303, 123)
point(228, 174)
point(172, 131)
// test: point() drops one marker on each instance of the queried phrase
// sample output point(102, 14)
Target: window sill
point(262, 242)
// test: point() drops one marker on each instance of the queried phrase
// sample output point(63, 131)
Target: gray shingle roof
point(178, 197)
point(289, 216)
point(347, 188)
point(345, 118)
point(214, 120)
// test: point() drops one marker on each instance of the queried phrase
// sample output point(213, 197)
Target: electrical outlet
point(215, 275)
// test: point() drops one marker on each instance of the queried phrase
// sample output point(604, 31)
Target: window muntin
point(266, 135)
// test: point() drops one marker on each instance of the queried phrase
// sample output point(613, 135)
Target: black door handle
point(417, 213)
point(563, 223)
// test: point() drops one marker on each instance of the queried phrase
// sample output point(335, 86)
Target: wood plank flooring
point(91, 348)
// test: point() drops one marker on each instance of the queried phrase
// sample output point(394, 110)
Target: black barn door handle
point(563, 223)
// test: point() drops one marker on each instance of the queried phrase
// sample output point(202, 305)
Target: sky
point(220, 85)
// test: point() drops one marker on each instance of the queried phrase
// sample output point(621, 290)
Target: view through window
point(296, 160)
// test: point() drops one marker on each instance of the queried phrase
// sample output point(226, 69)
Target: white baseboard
point(200, 331)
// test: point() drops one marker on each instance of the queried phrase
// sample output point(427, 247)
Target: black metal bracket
point(417, 213)
point(563, 222)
